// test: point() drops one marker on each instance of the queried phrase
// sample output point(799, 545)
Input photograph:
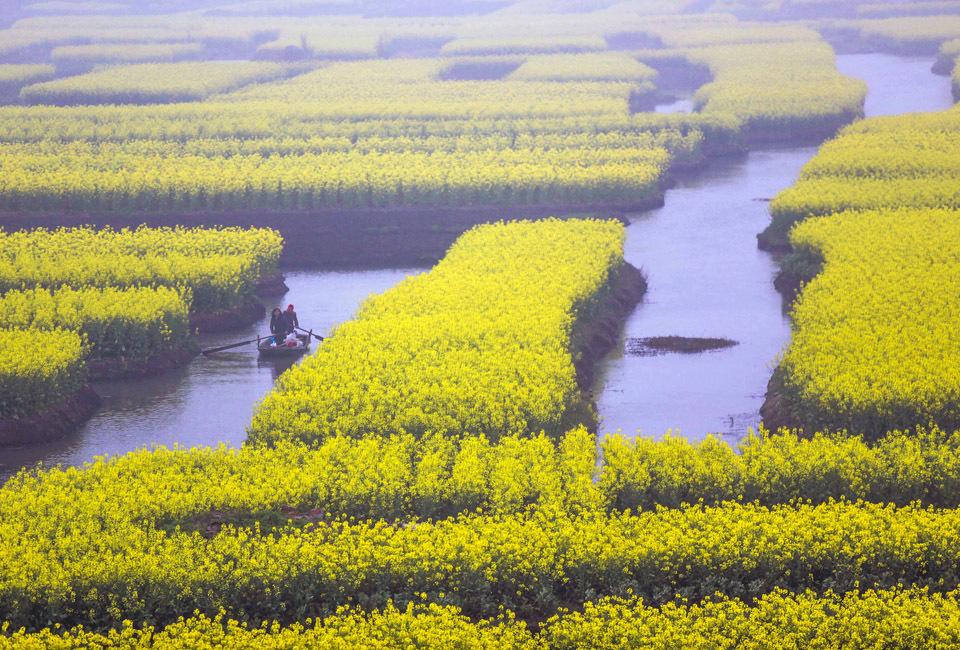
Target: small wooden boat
point(270, 350)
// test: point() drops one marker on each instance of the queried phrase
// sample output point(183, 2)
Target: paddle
point(231, 346)
point(316, 336)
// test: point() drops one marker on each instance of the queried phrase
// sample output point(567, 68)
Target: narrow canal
point(708, 279)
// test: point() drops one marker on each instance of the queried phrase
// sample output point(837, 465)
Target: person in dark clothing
point(277, 325)
point(290, 319)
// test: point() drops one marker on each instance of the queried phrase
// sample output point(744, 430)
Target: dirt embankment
point(227, 320)
point(799, 134)
point(598, 330)
point(271, 286)
point(56, 421)
point(779, 409)
point(129, 367)
point(349, 238)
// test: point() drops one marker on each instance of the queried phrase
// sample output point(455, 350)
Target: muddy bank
point(850, 40)
point(271, 286)
point(944, 65)
point(779, 410)
point(598, 332)
point(227, 320)
point(773, 239)
point(128, 367)
point(55, 422)
point(798, 133)
point(595, 333)
point(350, 238)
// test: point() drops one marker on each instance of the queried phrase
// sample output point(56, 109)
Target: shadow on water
point(708, 279)
point(211, 400)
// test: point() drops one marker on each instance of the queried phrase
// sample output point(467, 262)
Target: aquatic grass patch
point(654, 345)
point(401, 478)
point(164, 178)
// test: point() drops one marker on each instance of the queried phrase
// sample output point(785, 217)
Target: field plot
point(388, 132)
point(151, 83)
point(435, 474)
point(119, 53)
point(14, 76)
point(132, 299)
point(433, 347)
point(873, 331)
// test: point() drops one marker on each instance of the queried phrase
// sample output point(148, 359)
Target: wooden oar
point(316, 336)
point(231, 346)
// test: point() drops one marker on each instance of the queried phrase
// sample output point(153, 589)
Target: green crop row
point(292, 124)
point(874, 346)
point(873, 343)
point(73, 178)
point(329, 138)
point(879, 164)
point(895, 619)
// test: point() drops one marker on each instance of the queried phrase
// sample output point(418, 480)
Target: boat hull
point(268, 351)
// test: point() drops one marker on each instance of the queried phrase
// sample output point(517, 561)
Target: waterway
point(708, 279)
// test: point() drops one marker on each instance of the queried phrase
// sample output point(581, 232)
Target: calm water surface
point(211, 400)
point(707, 278)
point(684, 105)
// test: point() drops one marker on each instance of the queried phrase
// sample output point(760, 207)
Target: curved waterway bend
point(708, 279)
point(211, 400)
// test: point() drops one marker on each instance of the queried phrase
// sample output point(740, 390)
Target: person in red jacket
point(290, 321)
